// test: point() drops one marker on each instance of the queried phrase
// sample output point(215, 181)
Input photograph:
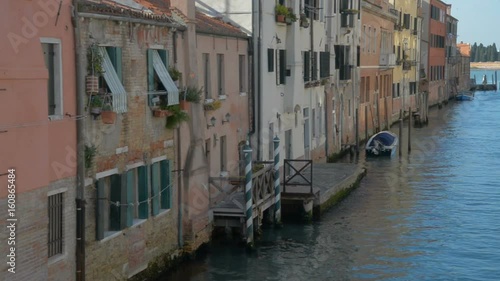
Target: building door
point(288, 148)
point(307, 134)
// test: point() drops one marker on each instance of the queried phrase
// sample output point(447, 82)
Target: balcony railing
point(387, 60)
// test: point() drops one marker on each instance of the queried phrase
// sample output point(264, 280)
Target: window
point(406, 21)
point(220, 75)
point(206, 75)
point(363, 39)
point(307, 66)
point(161, 186)
point(324, 64)
point(242, 73)
point(342, 61)
point(223, 153)
point(108, 211)
point(55, 214)
point(112, 82)
point(367, 91)
point(271, 141)
point(362, 89)
point(53, 62)
point(160, 84)
point(369, 48)
point(137, 195)
point(314, 122)
point(314, 69)
point(270, 60)
point(349, 105)
point(280, 67)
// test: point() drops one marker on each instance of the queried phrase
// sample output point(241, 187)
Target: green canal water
point(430, 215)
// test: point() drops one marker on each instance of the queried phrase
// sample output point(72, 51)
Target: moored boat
point(464, 96)
point(384, 143)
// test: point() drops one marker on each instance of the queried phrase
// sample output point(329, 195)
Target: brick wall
point(129, 252)
point(32, 262)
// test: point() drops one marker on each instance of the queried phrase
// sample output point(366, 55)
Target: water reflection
point(428, 215)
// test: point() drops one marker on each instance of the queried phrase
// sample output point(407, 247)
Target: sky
point(478, 20)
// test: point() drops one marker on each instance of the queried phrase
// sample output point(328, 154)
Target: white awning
point(115, 85)
point(166, 80)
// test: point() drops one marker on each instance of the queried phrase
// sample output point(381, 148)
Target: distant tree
point(473, 51)
point(494, 52)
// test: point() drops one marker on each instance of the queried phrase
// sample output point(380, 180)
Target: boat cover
point(385, 138)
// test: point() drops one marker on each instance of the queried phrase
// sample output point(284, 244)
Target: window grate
point(55, 235)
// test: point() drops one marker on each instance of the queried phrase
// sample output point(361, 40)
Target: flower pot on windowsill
point(280, 18)
point(108, 117)
point(184, 105)
point(92, 84)
point(161, 113)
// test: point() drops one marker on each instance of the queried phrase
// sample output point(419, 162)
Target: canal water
point(433, 214)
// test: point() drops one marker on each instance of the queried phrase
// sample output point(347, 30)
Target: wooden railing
point(263, 184)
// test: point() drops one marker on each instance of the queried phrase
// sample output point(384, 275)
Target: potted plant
point(90, 152)
point(191, 94)
point(290, 16)
point(95, 105)
point(175, 75)
point(163, 110)
point(177, 116)
point(94, 69)
point(213, 105)
point(304, 21)
point(108, 116)
point(281, 12)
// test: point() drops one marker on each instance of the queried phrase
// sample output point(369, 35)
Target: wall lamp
point(212, 122)
point(227, 118)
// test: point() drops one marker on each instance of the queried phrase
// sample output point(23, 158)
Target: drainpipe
point(179, 164)
point(256, 29)
point(179, 189)
point(80, 134)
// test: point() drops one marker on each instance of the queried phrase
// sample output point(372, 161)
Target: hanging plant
point(94, 61)
point(90, 152)
point(177, 116)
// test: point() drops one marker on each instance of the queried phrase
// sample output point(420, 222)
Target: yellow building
point(407, 50)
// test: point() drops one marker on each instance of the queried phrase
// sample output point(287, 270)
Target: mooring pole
point(248, 194)
point(277, 194)
point(357, 130)
point(366, 122)
point(400, 132)
point(409, 131)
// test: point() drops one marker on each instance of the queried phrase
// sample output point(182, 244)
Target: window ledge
point(55, 117)
point(208, 101)
point(110, 235)
point(243, 94)
point(57, 258)
point(138, 222)
point(222, 97)
point(163, 212)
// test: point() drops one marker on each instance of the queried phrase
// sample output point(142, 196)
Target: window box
point(281, 12)
point(161, 113)
point(304, 21)
point(212, 105)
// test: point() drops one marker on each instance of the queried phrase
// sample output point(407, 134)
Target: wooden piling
point(400, 132)
point(357, 130)
point(366, 122)
point(409, 131)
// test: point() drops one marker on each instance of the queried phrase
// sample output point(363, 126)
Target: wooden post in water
point(400, 132)
point(409, 131)
point(366, 122)
point(496, 83)
point(248, 195)
point(357, 130)
point(386, 113)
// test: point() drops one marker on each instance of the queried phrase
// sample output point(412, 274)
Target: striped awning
point(166, 80)
point(115, 85)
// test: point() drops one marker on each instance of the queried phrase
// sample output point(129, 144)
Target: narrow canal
point(430, 215)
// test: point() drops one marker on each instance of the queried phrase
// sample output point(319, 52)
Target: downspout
point(80, 134)
point(179, 165)
point(258, 75)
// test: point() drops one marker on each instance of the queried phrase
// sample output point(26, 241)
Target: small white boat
point(384, 143)
point(464, 96)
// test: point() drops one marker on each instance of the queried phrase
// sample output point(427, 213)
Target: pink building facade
point(38, 138)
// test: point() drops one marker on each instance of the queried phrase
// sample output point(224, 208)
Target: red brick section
point(211, 25)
